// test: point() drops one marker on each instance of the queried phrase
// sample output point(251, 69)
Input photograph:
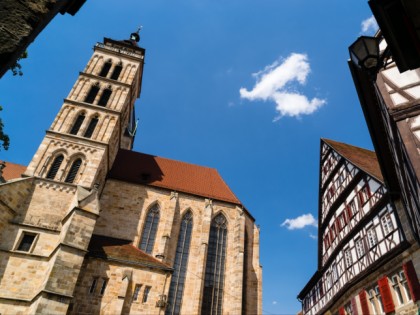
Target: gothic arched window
point(90, 97)
point(215, 267)
point(245, 275)
point(117, 71)
point(149, 230)
point(76, 126)
point(106, 94)
point(92, 125)
point(55, 167)
point(180, 266)
point(73, 171)
point(105, 68)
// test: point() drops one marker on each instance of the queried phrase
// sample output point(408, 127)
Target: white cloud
point(274, 83)
point(300, 222)
point(274, 302)
point(313, 236)
point(369, 26)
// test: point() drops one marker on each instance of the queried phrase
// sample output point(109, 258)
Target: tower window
point(103, 287)
point(55, 167)
point(117, 71)
point(149, 230)
point(76, 126)
point(73, 171)
point(215, 267)
point(92, 94)
point(26, 242)
point(106, 94)
point(136, 292)
point(105, 69)
point(146, 293)
point(93, 285)
point(91, 128)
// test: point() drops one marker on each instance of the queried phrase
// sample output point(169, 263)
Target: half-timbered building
point(366, 263)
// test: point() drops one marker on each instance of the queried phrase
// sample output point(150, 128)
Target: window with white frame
point(334, 273)
point(353, 207)
point(386, 223)
point(328, 280)
point(400, 287)
point(375, 300)
point(371, 235)
point(348, 308)
point(360, 249)
point(348, 258)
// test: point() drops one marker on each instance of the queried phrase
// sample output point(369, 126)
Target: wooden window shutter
point(341, 311)
point(354, 306)
point(386, 295)
point(349, 213)
point(363, 302)
point(337, 222)
point(412, 280)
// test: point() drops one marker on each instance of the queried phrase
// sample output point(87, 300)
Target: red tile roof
point(175, 175)
point(110, 248)
point(12, 171)
point(364, 159)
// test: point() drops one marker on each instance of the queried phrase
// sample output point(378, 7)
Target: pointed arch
point(90, 97)
point(106, 94)
point(176, 288)
point(55, 166)
point(105, 68)
point(215, 267)
point(77, 123)
point(150, 228)
point(74, 169)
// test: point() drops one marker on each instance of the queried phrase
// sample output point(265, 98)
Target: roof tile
point(161, 172)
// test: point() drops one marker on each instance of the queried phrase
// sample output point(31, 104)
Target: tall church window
point(55, 166)
point(117, 71)
point(149, 231)
point(105, 69)
point(76, 126)
point(245, 275)
point(73, 171)
point(176, 288)
point(90, 97)
point(106, 94)
point(215, 267)
point(91, 128)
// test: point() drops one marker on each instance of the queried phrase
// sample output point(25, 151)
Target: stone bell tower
point(96, 119)
point(47, 217)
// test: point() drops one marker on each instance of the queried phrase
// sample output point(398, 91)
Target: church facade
point(93, 227)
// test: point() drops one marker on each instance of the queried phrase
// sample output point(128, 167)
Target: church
point(92, 227)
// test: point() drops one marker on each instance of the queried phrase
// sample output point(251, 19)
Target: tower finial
point(136, 35)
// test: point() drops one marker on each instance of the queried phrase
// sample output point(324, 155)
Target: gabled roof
point(160, 172)
point(122, 251)
point(12, 171)
point(365, 160)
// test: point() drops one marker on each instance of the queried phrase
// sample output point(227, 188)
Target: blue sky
point(247, 87)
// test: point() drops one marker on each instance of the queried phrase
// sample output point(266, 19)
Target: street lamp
point(364, 53)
